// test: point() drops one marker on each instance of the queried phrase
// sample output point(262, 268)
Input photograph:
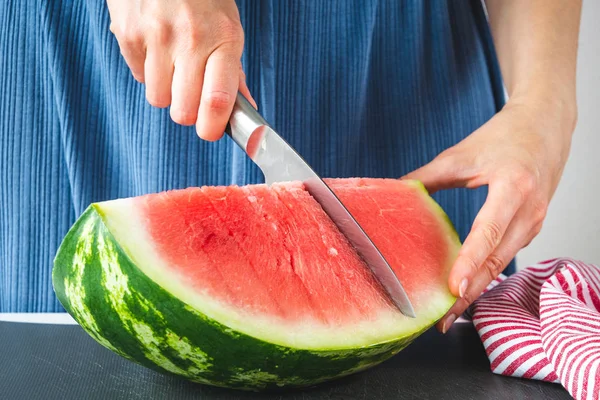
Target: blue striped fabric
point(361, 88)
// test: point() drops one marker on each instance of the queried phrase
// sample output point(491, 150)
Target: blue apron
point(361, 88)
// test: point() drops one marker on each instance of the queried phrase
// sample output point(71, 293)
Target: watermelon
point(253, 287)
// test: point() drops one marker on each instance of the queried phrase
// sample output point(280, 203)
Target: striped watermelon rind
point(121, 307)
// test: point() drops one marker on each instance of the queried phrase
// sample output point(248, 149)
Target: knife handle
point(243, 121)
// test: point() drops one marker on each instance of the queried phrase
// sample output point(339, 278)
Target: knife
point(279, 162)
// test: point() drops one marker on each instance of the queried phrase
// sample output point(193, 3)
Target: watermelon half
point(254, 287)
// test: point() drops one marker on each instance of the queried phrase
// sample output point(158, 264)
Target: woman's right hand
point(188, 54)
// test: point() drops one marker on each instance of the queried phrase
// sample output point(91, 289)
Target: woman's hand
point(188, 54)
point(520, 154)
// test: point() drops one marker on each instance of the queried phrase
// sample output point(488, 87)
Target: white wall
point(572, 227)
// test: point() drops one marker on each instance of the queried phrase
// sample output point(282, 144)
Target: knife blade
point(279, 162)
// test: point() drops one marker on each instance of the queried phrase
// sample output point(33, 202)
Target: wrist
point(549, 106)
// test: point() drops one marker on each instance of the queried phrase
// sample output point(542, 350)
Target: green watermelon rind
point(126, 312)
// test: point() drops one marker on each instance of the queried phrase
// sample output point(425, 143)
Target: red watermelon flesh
point(273, 252)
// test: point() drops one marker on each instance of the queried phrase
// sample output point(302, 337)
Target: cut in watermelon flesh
point(263, 262)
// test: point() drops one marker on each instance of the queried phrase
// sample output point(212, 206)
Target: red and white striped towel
point(544, 323)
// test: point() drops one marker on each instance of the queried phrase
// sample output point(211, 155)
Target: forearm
point(536, 43)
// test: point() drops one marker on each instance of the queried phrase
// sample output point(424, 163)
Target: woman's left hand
point(520, 154)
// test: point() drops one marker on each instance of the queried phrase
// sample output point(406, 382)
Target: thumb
point(439, 174)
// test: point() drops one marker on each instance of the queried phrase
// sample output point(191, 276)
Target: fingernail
point(462, 288)
point(448, 323)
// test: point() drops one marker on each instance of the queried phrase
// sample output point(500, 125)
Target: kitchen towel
point(544, 323)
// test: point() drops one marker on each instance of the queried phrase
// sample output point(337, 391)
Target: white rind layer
point(128, 227)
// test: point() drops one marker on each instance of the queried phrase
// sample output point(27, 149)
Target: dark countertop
point(39, 361)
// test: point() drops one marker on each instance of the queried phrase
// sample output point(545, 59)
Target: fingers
point(489, 228)
point(198, 93)
point(443, 172)
point(158, 70)
point(132, 47)
point(135, 55)
point(525, 225)
point(518, 233)
point(186, 90)
point(221, 82)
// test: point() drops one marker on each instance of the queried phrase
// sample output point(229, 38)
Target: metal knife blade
point(279, 162)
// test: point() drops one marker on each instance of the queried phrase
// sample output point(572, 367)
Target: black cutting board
point(39, 361)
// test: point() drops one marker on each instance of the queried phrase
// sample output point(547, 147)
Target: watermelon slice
point(254, 287)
